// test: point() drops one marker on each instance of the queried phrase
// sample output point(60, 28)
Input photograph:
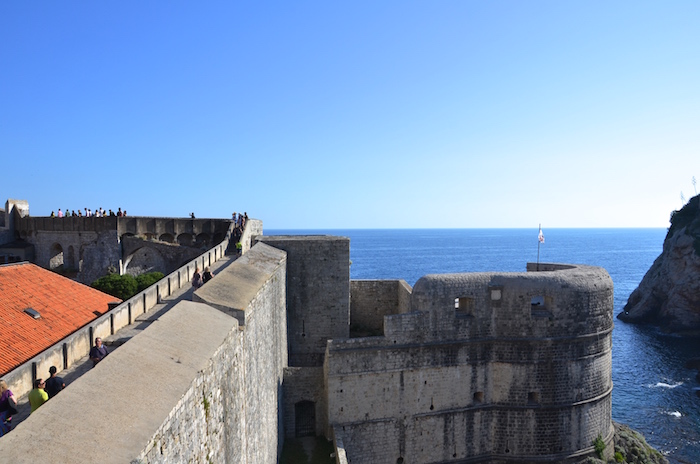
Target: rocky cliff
point(669, 294)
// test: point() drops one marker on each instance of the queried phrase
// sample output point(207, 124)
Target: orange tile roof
point(64, 305)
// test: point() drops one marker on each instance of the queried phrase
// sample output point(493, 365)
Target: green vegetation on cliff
point(630, 447)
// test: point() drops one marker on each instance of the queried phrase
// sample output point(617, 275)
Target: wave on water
point(665, 385)
point(673, 413)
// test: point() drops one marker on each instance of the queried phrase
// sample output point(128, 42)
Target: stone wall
point(252, 289)
point(92, 245)
point(77, 345)
point(318, 293)
point(371, 300)
point(305, 385)
point(195, 386)
point(487, 366)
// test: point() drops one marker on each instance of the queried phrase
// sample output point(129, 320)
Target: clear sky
point(355, 114)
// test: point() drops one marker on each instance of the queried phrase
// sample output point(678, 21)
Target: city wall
point(318, 308)
point(318, 293)
point(77, 345)
point(195, 386)
point(371, 300)
point(92, 245)
point(486, 366)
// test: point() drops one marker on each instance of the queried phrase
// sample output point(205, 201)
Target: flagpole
point(538, 249)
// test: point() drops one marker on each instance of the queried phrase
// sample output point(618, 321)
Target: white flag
point(540, 237)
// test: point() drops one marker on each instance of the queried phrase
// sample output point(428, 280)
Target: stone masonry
point(487, 367)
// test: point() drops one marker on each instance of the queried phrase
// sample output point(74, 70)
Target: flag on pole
point(540, 237)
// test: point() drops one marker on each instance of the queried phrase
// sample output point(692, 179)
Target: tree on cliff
point(669, 294)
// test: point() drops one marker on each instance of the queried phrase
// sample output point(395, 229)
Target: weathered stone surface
point(669, 294)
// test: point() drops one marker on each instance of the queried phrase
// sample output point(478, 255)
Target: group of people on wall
point(43, 390)
point(240, 220)
point(200, 279)
point(100, 212)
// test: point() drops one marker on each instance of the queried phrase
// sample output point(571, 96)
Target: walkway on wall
point(113, 342)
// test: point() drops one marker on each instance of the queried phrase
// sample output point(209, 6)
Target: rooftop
point(63, 306)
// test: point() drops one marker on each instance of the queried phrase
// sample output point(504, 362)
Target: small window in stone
point(540, 305)
point(478, 397)
point(533, 398)
point(464, 306)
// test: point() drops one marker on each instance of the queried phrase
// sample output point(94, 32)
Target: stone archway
point(56, 259)
point(201, 240)
point(144, 259)
point(169, 238)
point(305, 419)
point(185, 239)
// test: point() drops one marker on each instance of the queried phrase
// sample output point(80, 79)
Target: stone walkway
point(113, 342)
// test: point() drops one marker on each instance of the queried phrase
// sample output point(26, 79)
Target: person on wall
point(98, 352)
point(197, 279)
point(8, 407)
point(38, 396)
point(54, 383)
point(207, 276)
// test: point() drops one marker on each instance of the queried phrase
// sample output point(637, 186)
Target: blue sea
point(653, 392)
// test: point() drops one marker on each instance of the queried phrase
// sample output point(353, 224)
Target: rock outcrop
point(630, 447)
point(669, 294)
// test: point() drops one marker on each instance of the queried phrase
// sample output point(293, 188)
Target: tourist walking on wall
point(207, 276)
point(54, 384)
point(98, 352)
point(197, 279)
point(38, 396)
point(8, 407)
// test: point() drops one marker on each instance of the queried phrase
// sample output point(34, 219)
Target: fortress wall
point(186, 389)
point(318, 293)
point(77, 345)
point(252, 289)
point(573, 301)
point(253, 228)
point(505, 373)
point(148, 394)
point(304, 384)
point(371, 300)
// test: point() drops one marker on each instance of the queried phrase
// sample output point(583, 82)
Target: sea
point(653, 392)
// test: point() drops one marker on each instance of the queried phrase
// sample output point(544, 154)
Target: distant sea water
point(653, 392)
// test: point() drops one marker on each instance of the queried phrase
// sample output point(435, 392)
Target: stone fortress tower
point(478, 367)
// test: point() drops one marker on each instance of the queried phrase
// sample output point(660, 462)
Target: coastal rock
point(669, 294)
point(631, 447)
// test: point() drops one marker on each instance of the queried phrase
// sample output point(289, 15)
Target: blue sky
point(354, 114)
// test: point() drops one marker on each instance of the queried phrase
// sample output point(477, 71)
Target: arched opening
point(305, 419)
point(201, 240)
point(169, 238)
point(185, 239)
point(56, 260)
point(143, 260)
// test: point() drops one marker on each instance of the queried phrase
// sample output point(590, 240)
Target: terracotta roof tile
point(64, 305)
